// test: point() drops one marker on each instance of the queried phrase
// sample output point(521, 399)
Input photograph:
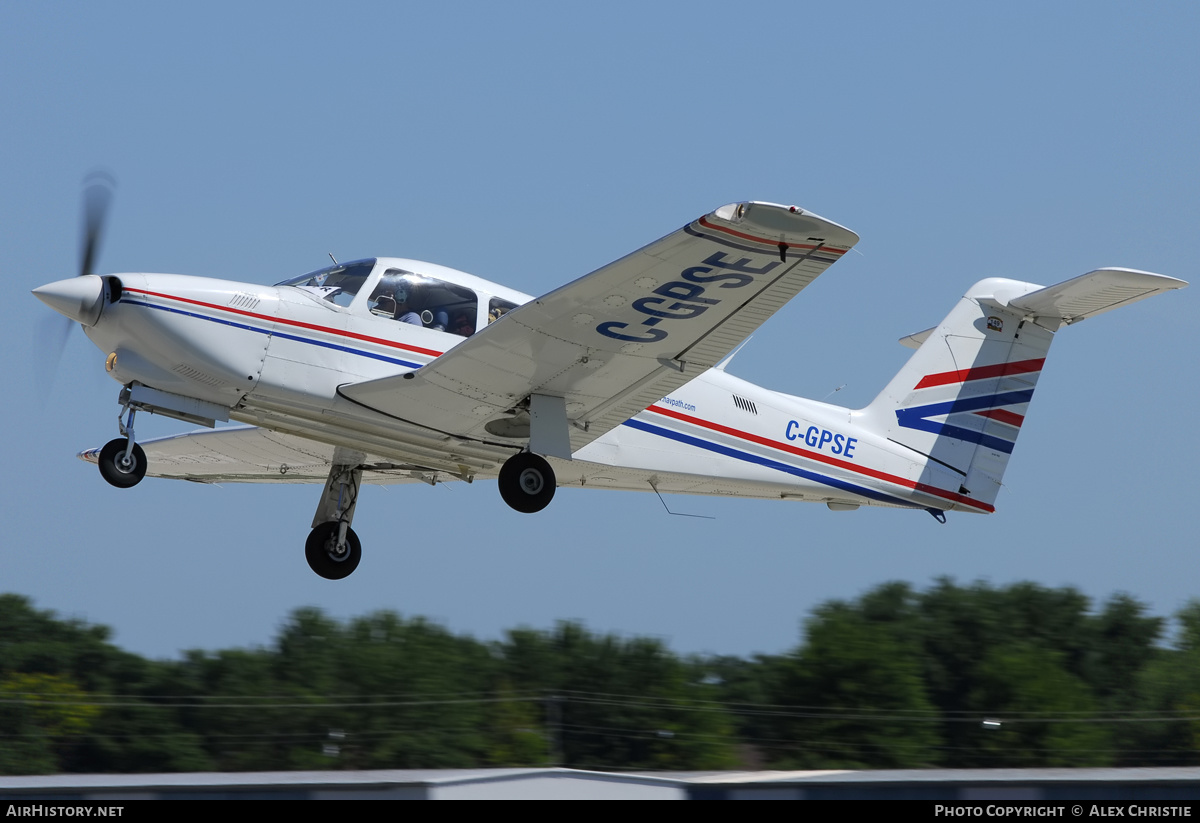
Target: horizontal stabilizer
point(914, 341)
point(1093, 293)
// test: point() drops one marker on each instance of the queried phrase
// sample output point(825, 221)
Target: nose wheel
point(120, 465)
point(122, 461)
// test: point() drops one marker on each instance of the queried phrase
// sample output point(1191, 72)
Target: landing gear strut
point(527, 482)
point(333, 549)
point(122, 461)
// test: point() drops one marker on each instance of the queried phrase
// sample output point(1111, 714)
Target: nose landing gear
point(122, 461)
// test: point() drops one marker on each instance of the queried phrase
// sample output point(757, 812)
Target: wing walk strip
point(816, 457)
point(275, 322)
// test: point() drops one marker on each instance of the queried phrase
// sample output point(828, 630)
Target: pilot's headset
point(415, 291)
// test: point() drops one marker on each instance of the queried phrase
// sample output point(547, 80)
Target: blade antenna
point(678, 514)
point(832, 393)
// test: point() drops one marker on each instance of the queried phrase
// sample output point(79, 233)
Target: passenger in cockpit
point(461, 325)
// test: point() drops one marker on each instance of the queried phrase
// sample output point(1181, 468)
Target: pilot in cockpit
point(391, 299)
point(403, 313)
point(400, 296)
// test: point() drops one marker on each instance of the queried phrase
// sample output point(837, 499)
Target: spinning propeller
point(76, 300)
point(97, 197)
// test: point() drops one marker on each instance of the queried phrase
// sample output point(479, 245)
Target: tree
point(613, 703)
point(852, 695)
point(1045, 715)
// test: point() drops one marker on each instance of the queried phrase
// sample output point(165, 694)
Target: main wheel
point(527, 482)
point(116, 469)
point(321, 552)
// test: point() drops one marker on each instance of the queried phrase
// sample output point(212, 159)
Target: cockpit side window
point(418, 300)
point(337, 284)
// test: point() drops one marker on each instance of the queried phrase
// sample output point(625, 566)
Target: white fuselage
point(276, 356)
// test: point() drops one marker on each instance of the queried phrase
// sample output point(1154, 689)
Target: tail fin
point(961, 399)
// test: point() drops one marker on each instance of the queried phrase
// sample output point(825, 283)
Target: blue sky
point(529, 143)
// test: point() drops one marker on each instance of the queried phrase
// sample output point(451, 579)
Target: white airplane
point(389, 370)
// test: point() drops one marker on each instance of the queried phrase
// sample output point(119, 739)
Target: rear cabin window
point(497, 308)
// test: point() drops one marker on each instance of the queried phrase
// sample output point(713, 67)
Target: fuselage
point(275, 356)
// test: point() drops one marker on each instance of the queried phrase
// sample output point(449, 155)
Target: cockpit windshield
point(337, 284)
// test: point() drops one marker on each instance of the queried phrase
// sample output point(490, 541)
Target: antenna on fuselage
point(334, 259)
point(677, 514)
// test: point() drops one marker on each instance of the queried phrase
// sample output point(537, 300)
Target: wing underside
point(247, 454)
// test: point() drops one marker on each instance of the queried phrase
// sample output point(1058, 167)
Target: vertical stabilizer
point(962, 398)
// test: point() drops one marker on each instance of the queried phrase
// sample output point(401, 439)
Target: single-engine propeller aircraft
point(388, 370)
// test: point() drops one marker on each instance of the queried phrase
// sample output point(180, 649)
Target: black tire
point(527, 482)
point(319, 551)
point(111, 468)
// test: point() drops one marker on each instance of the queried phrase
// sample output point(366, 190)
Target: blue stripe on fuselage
point(275, 333)
point(737, 454)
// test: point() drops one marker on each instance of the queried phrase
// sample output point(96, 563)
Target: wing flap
point(624, 336)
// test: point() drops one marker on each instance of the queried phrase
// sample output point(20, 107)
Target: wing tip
point(791, 224)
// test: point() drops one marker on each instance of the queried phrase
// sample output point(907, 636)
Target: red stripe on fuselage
point(824, 458)
point(980, 373)
point(1004, 416)
point(704, 222)
point(298, 324)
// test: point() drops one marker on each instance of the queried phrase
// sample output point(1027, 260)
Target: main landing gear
point(122, 461)
point(333, 549)
point(527, 482)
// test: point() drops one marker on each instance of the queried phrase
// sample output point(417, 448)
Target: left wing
point(612, 342)
point(246, 454)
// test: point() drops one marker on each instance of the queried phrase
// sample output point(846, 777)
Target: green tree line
point(953, 676)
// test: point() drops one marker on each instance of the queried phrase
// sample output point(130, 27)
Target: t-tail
point(961, 399)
